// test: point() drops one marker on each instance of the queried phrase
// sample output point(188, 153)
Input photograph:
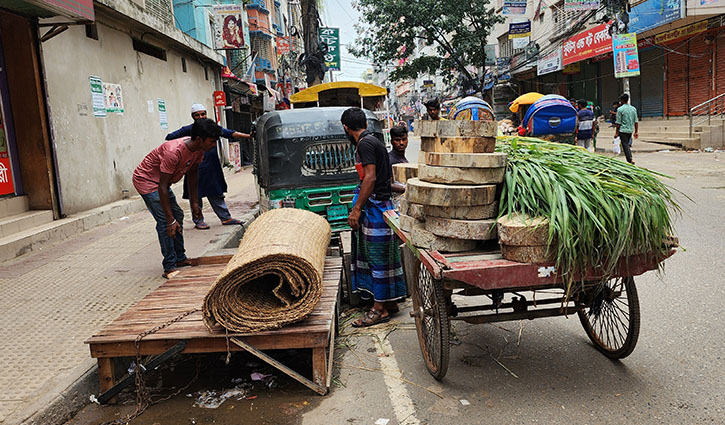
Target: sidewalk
point(56, 298)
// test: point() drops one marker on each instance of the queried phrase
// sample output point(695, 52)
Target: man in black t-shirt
point(376, 270)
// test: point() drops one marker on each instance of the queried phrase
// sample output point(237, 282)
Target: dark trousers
point(172, 248)
point(626, 139)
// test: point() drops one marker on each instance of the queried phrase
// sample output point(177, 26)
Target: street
point(542, 371)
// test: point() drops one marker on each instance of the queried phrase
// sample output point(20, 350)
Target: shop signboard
point(282, 46)
point(331, 38)
point(514, 7)
point(228, 26)
point(490, 51)
point(626, 59)
point(550, 62)
point(502, 68)
point(572, 69)
point(6, 175)
point(655, 13)
point(587, 44)
point(581, 5)
point(220, 99)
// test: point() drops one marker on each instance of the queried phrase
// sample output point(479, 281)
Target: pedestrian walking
point(585, 131)
point(627, 126)
point(433, 110)
point(613, 114)
point(377, 273)
point(153, 178)
point(212, 184)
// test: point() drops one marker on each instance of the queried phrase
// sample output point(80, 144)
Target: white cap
point(197, 107)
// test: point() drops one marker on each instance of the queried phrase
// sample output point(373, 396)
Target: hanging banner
point(581, 5)
point(520, 42)
point(550, 62)
point(654, 13)
point(519, 29)
point(626, 59)
point(331, 38)
point(113, 98)
point(593, 42)
point(228, 26)
point(282, 46)
point(514, 7)
point(97, 100)
point(502, 68)
point(490, 51)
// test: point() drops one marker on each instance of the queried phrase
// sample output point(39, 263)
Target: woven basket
point(275, 278)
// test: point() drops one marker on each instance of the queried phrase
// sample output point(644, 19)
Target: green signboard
point(330, 37)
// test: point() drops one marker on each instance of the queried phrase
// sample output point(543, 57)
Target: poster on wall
point(626, 59)
point(228, 26)
point(163, 118)
point(514, 7)
point(113, 98)
point(97, 100)
point(235, 156)
point(6, 176)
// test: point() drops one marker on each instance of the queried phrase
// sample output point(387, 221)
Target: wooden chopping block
point(412, 210)
point(454, 128)
point(425, 239)
point(476, 212)
point(527, 254)
point(458, 144)
point(403, 172)
point(466, 160)
point(420, 192)
point(458, 175)
point(481, 230)
point(522, 230)
point(408, 223)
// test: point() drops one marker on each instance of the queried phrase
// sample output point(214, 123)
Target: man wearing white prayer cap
point(212, 184)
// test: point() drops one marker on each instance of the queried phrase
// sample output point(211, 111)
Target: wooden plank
point(462, 229)
point(523, 230)
point(404, 171)
point(459, 175)
point(411, 209)
point(107, 376)
point(420, 192)
point(408, 223)
point(458, 144)
point(453, 128)
point(424, 239)
point(476, 212)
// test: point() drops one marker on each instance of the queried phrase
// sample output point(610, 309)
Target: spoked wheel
point(612, 318)
point(431, 322)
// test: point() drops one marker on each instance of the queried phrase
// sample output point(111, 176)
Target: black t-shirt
point(370, 150)
point(396, 158)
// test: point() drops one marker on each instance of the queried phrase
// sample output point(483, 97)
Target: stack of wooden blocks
point(452, 205)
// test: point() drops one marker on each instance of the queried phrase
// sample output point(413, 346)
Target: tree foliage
point(457, 31)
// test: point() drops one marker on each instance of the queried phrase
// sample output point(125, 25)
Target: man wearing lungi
point(377, 272)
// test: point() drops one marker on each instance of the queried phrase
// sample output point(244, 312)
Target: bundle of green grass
point(600, 209)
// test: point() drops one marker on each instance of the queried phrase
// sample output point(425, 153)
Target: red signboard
point(76, 9)
point(593, 42)
point(282, 45)
point(219, 98)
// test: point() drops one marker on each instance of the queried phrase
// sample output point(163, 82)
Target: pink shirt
point(172, 157)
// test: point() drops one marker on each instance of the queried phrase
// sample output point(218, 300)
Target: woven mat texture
point(275, 278)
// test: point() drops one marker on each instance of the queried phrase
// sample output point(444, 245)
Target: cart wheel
point(431, 322)
point(612, 319)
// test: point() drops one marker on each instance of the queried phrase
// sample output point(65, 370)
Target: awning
point(524, 99)
point(76, 10)
point(312, 94)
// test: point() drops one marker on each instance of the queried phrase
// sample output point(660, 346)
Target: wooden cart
point(609, 313)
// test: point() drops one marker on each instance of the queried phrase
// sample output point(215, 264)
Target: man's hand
point(636, 135)
point(240, 135)
point(354, 218)
point(173, 228)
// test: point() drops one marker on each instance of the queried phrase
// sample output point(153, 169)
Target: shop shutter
point(652, 83)
point(720, 66)
point(611, 87)
point(635, 94)
point(700, 71)
point(676, 82)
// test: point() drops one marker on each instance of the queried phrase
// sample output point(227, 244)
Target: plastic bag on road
point(616, 146)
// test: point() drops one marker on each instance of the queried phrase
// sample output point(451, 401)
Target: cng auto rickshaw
point(302, 159)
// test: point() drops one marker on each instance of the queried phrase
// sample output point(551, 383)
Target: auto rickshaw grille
point(329, 158)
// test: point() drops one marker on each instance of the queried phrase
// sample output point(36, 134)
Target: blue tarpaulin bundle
point(552, 114)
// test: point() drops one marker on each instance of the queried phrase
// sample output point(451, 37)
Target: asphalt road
point(542, 371)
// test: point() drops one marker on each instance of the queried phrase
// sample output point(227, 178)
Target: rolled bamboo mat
point(275, 278)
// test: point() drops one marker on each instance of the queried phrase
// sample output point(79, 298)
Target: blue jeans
point(218, 205)
point(172, 248)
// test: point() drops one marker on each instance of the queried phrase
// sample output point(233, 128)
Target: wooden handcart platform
point(185, 292)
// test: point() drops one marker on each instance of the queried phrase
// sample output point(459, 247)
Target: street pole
point(289, 53)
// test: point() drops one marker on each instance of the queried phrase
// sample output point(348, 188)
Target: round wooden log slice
point(466, 160)
point(458, 144)
point(413, 210)
point(408, 223)
point(527, 254)
point(425, 239)
point(403, 172)
point(477, 212)
point(522, 230)
point(420, 192)
point(481, 230)
point(455, 128)
point(458, 175)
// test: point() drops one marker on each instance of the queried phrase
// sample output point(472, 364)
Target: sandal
point(201, 225)
point(370, 318)
point(232, 221)
point(170, 273)
point(184, 263)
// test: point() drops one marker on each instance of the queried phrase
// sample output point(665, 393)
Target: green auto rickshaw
point(302, 159)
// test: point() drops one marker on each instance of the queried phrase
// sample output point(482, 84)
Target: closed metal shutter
point(611, 87)
point(635, 94)
point(720, 66)
point(700, 71)
point(676, 82)
point(652, 83)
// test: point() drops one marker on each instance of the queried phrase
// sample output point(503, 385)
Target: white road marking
point(403, 406)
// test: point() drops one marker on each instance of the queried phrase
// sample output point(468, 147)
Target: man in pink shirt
point(153, 178)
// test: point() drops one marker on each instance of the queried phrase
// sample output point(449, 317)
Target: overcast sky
point(341, 14)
